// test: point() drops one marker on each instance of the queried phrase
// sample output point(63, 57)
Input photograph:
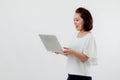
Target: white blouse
point(87, 46)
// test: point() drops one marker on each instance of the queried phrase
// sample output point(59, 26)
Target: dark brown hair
point(87, 17)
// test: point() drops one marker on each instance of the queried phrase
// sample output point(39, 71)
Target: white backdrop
point(22, 54)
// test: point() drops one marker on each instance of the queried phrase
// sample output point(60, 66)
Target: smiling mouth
point(76, 26)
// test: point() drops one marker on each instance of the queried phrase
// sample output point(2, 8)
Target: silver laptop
point(50, 42)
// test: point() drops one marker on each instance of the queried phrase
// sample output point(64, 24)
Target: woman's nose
point(75, 22)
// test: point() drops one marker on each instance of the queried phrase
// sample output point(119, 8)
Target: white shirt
point(87, 46)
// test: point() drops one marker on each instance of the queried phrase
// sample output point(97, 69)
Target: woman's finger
point(65, 48)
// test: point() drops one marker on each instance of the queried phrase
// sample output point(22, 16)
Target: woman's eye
point(76, 20)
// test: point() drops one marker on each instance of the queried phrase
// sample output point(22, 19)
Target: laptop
point(50, 42)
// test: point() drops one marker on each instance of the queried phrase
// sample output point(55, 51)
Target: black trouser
point(78, 77)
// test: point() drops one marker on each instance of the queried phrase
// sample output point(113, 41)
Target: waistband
point(80, 77)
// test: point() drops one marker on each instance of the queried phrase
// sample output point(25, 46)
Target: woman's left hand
point(67, 51)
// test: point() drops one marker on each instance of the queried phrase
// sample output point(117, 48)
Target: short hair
point(87, 17)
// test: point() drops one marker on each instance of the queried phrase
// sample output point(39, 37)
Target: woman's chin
point(77, 29)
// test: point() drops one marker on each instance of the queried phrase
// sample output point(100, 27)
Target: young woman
point(82, 50)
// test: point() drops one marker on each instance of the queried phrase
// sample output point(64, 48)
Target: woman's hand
point(67, 51)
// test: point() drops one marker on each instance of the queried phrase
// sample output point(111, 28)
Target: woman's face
point(78, 22)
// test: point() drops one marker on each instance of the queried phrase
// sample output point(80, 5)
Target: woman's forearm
point(80, 56)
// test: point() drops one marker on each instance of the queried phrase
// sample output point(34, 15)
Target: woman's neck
point(82, 33)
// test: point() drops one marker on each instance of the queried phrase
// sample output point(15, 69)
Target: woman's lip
point(76, 26)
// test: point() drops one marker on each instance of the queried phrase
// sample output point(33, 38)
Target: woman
point(82, 50)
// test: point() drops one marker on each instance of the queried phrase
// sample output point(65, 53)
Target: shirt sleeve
point(91, 51)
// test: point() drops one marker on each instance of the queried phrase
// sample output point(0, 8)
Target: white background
point(22, 54)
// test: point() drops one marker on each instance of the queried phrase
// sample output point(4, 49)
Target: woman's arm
point(80, 56)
